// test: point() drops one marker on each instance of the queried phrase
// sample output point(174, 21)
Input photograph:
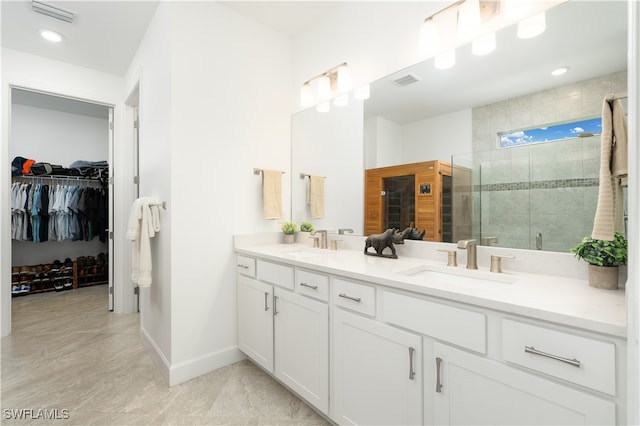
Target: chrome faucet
point(323, 237)
point(341, 231)
point(471, 247)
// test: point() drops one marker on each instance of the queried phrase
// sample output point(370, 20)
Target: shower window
point(551, 133)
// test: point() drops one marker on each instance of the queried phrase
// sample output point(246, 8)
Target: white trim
point(156, 355)
point(633, 294)
point(196, 367)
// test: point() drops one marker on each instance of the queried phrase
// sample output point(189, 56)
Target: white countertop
point(566, 301)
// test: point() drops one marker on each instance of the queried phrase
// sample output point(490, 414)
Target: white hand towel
point(272, 193)
point(316, 196)
point(144, 222)
point(613, 165)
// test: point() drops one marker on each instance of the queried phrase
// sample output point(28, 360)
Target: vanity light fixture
point(559, 71)
point(429, 37)
point(362, 93)
point(333, 83)
point(469, 20)
point(51, 36)
point(533, 26)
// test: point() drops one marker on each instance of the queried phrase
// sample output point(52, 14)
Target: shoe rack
point(59, 276)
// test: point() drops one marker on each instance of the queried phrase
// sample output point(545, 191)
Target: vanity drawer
point(578, 359)
point(357, 297)
point(275, 273)
point(448, 323)
point(312, 284)
point(246, 266)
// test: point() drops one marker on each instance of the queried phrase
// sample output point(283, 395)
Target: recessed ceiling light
point(51, 36)
point(559, 71)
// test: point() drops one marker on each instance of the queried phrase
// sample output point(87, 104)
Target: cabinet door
point(377, 376)
point(255, 321)
point(302, 346)
point(477, 390)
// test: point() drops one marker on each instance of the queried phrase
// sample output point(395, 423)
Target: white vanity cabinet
point(284, 332)
point(471, 389)
point(376, 372)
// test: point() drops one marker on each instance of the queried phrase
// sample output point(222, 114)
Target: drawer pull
point(243, 266)
point(534, 351)
point(266, 306)
point(275, 305)
point(313, 287)
point(438, 382)
point(412, 373)
point(346, 296)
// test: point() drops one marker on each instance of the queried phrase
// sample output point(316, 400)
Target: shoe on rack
point(82, 261)
point(15, 270)
point(15, 289)
point(68, 285)
point(25, 288)
point(58, 285)
point(56, 266)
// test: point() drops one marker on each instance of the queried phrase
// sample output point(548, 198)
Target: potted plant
point(604, 257)
point(289, 229)
point(305, 233)
point(306, 227)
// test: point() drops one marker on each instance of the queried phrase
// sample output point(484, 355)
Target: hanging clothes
point(58, 212)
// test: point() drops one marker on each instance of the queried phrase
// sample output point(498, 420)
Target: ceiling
point(106, 34)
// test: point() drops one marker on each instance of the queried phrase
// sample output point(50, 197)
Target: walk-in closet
point(60, 194)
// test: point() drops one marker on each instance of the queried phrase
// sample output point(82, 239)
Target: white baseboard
point(193, 368)
point(158, 358)
point(184, 371)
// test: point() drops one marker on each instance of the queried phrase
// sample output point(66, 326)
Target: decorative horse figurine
point(381, 241)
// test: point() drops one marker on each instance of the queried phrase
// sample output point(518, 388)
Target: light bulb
point(344, 79)
point(445, 60)
point(323, 106)
point(468, 20)
point(484, 45)
point(429, 38)
point(306, 96)
point(516, 9)
point(531, 27)
point(559, 71)
point(324, 88)
point(362, 93)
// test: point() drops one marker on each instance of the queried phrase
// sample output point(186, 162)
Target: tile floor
point(67, 352)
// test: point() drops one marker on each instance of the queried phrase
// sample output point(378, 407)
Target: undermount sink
point(303, 254)
point(453, 275)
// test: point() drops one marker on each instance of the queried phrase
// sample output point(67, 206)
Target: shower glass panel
point(399, 201)
point(517, 197)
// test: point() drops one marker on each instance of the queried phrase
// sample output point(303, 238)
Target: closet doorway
point(61, 197)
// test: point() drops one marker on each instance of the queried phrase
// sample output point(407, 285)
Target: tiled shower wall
point(548, 188)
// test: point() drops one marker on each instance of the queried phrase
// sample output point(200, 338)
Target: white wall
point(437, 138)
point(330, 145)
point(29, 71)
point(214, 104)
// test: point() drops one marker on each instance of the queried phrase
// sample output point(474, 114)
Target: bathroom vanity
point(369, 340)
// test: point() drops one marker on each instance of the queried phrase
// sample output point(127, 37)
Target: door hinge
point(110, 289)
point(111, 125)
point(111, 235)
point(383, 193)
point(111, 180)
point(136, 290)
point(136, 124)
point(136, 180)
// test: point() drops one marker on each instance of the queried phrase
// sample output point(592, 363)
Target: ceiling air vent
point(405, 80)
point(53, 11)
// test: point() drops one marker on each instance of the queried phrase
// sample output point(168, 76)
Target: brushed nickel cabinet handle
point(534, 351)
point(438, 382)
point(412, 373)
point(346, 296)
point(239, 265)
point(275, 305)
point(313, 287)
point(266, 306)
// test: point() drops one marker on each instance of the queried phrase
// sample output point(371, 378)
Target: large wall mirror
point(422, 114)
